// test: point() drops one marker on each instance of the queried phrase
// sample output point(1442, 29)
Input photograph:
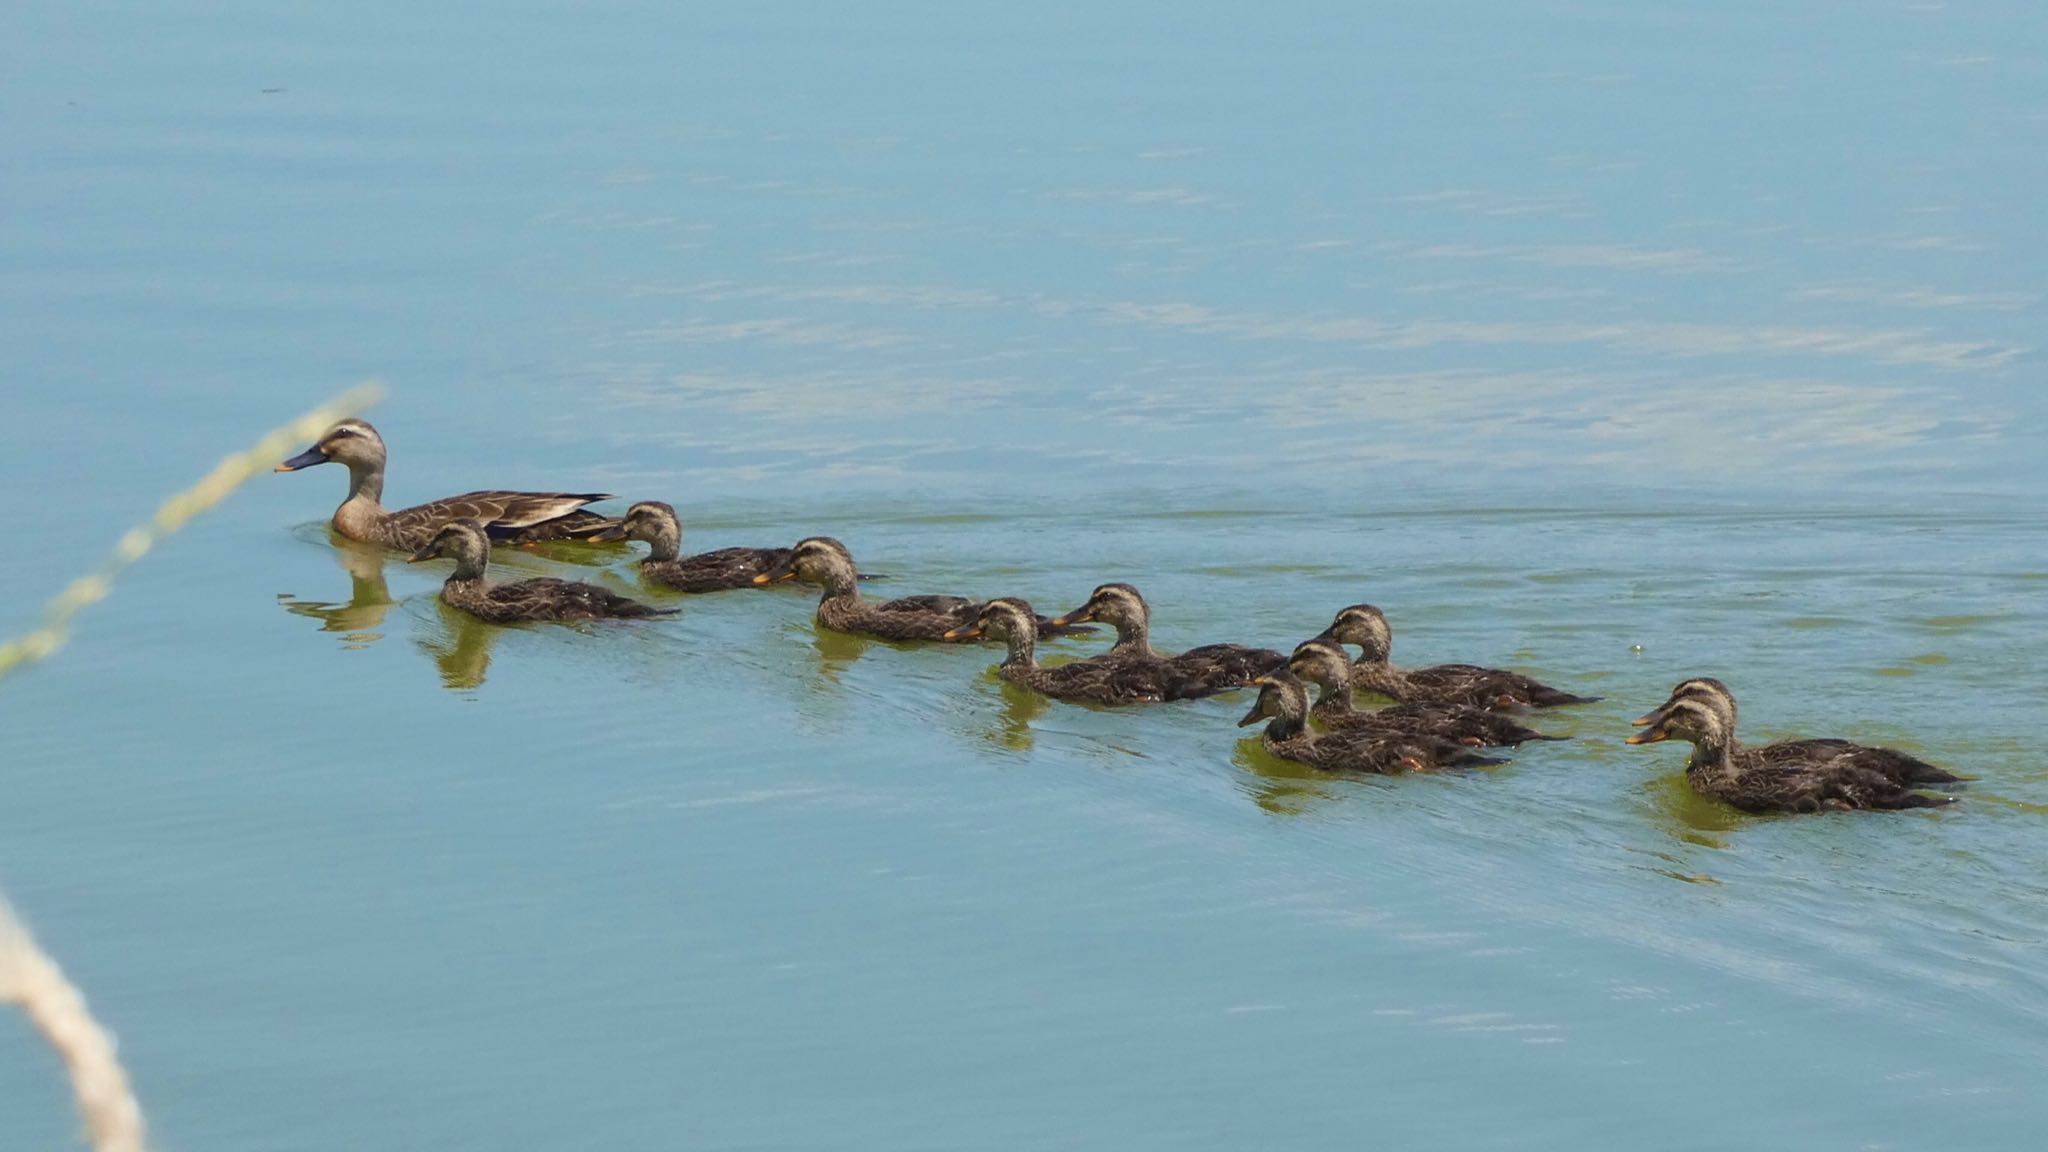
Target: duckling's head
point(1698, 722)
point(1003, 618)
point(1118, 605)
point(463, 541)
point(1701, 689)
point(351, 442)
point(1323, 663)
point(1365, 626)
point(649, 520)
point(815, 560)
point(1282, 696)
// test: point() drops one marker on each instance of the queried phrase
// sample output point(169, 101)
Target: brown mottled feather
point(542, 598)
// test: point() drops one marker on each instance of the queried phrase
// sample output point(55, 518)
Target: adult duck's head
point(352, 443)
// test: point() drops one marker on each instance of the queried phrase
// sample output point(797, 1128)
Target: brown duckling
point(1366, 626)
point(1325, 664)
point(1817, 783)
point(521, 517)
point(544, 598)
point(826, 562)
point(1098, 680)
point(1283, 703)
point(717, 571)
point(1201, 671)
point(1888, 762)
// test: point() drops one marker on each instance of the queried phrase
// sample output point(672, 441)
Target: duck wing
point(1890, 763)
point(1489, 687)
point(1227, 665)
point(1460, 722)
point(505, 515)
point(1103, 681)
point(715, 571)
point(1834, 785)
point(546, 598)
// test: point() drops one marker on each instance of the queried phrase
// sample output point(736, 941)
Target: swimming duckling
point(1201, 671)
point(826, 562)
point(543, 598)
point(1820, 783)
point(1098, 680)
point(1325, 664)
point(1283, 703)
point(1366, 626)
point(1888, 762)
point(657, 524)
point(522, 517)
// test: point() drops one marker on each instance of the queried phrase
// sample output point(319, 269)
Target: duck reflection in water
point(460, 647)
point(361, 617)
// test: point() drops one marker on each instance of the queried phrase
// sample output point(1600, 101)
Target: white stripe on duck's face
point(1006, 616)
point(1320, 662)
point(1118, 604)
point(1694, 721)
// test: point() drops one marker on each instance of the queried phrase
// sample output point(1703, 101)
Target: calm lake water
point(1614, 342)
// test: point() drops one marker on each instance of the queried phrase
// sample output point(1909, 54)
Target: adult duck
point(521, 517)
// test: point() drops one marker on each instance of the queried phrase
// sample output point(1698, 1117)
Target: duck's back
point(1889, 763)
point(1487, 687)
point(715, 571)
point(546, 598)
point(1214, 668)
point(522, 517)
point(1808, 786)
point(1099, 680)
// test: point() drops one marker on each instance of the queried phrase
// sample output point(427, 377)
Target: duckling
point(1888, 762)
point(1096, 680)
point(1326, 665)
point(1366, 626)
point(1816, 783)
point(826, 562)
point(1283, 703)
point(545, 598)
point(1201, 671)
point(657, 523)
point(521, 517)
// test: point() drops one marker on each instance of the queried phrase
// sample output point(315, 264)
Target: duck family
point(1439, 718)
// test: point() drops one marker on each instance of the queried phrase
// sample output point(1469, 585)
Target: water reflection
point(460, 646)
point(360, 617)
point(1282, 787)
point(1686, 815)
point(837, 651)
point(1020, 707)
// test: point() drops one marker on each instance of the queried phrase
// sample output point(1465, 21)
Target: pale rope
point(225, 478)
point(29, 979)
point(32, 981)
